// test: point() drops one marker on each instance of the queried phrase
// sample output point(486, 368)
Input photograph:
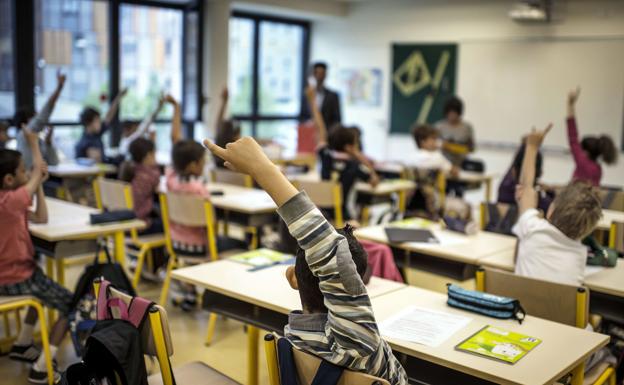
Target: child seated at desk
point(550, 248)
point(19, 273)
point(143, 173)
point(337, 323)
point(587, 151)
point(429, 155)
point(340, 156)
point(90, 144)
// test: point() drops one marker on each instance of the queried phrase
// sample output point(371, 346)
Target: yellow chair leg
point(165, 289)
point(60, 271)
point(45, 343)
point(252, 355)
point(254, 238)
point(270, 350)
point(212, 322)
point(120, 248)
point(150, 260)
point(50, 274)
point(18, 321)
point(161, 349)
point(7, 325)
point(578, 374)
point(365, 215)
point(139, 266)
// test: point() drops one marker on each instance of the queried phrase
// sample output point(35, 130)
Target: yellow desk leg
point(402, 202)
point(488, 189)
point(252, 355)
point(120, 248)
point(365, 215)
point(578, 374)
point(50, 274)
point(612, 235)
point(60, 271)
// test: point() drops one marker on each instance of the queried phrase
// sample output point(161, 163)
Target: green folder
point(261, 257)
point(499, 344)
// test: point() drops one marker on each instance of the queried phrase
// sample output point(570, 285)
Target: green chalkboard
point(423, 78)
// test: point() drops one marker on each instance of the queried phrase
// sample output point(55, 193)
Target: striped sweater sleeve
point(351, 323)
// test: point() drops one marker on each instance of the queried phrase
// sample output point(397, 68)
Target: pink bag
point(133, 313)
point(381, 261)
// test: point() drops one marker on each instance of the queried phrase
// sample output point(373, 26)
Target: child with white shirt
point(429, 155)
point(550, 248)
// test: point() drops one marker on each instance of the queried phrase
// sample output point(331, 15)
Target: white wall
point(581, 35)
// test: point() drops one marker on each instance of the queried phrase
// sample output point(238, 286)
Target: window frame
point(255, 116)
point(24, 56)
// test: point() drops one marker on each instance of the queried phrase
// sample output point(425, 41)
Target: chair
point(188, 210)
point(616, 236)
point(8, 303)
point(157, 342)
point(566, 304)
point(612, 199)
point(115, 195)
point(307, 366)
point(220, 175)
point(325, 195)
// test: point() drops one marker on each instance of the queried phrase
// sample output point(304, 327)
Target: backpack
point(83, 315)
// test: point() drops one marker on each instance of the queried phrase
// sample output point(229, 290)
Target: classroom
point(312, 192)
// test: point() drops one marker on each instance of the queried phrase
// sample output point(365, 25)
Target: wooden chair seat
point(194, 373)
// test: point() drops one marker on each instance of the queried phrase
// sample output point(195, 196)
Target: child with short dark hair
point(337, 323)
point(143, 173)
point(228, 130)
point(456, 133)
point(429, 156)
point(587, 152)
point(90, 144)
point(551, 248)
point(340, 156)
point(19, 273)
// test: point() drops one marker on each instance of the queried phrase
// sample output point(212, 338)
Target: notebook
point(499, 344)
point(399, 234)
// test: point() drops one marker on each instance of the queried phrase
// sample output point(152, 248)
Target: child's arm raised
point(526, 195)
point(573, 140)
point(38, 123)
point(147, 122)
point(316, 115)
point(225, 96)
point(114, 107)
point(176, 120)
point(352, 325)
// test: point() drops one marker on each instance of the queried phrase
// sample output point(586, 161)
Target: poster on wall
point(423, 78)
point(361, 87)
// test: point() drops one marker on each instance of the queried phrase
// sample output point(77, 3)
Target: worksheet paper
point(423, 326)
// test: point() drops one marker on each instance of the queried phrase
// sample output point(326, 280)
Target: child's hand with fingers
point(573, 96)
point(60, 79)
point(244, 156)
point(536, 137)
point(170, 99)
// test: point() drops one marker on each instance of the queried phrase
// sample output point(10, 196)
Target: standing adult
point(326, 99)
point(457, 135)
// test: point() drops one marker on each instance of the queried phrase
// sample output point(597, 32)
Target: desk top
point(70, 221)
point(608, 217)
point(453, 246)
point(554, 357)
point(236, 198)
point(470, 176)
point(266, 287)
point(608, 280)
point(385, 187)
point(503, 260)
point(68, 170)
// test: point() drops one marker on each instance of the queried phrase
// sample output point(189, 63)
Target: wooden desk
point(73, 170)
point(505, 260)
point(70, 221)
point(608, 217)
point(261, 299)
point(462, 252)
point(478, 178)
point(562, 349)
point(241, 199)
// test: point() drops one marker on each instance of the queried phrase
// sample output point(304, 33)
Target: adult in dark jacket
point(327, 100)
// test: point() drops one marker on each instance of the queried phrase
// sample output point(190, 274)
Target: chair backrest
point(612, 199)
point(566, 304)
point(498, 217)
point(326, 195)
point(220, 175)
point(112, 194)
point(307, 366)
point(156, 338)
point(188, 210)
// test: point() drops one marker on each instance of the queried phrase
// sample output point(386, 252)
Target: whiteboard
point(509, 86)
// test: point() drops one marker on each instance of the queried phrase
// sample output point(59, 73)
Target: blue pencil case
point(485, 304)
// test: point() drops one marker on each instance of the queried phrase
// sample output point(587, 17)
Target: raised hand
point(170, 99)
point(310, 92)
point(225, 94)
point(573, 96)
point(49, 134)
point(536, 137)
point(245, 156)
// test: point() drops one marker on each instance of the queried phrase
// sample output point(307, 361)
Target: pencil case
point(112, 216)
point(485, 304)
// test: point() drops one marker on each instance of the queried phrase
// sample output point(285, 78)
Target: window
point(71, 36)
point(267, 66)
point(7, 95)
point(151, 58)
